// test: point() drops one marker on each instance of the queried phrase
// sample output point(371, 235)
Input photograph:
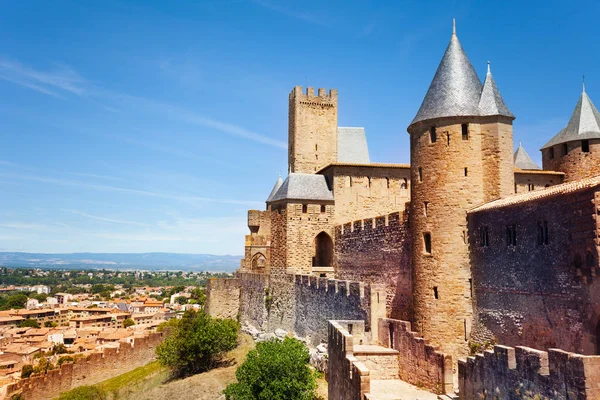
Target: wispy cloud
point(104, 219)
point(25, 225)
point(138, 192)
point(301, 15)
point(56, 82)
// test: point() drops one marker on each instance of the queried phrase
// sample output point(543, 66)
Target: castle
point(468, 246)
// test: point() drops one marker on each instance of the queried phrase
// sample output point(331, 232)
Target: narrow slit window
point(369, 179)
point(427, 242)
point(466, 171)
point(484, 236)
point(304, 208)
point(425, 207)
point(551, 153)
point(433, 134)
point(316, 147)
point(420, 174)
point(542, 233)
point(585, 146)
point(511, 235)
point(448, 138)
point(323, 209)
point(387, 182)
point(465, 131)
point(435, 292)
point(565, 149)
point(404, 184)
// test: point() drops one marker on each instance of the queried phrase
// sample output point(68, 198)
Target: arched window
point(404, 184)
point(259, 262)
point(323, 251)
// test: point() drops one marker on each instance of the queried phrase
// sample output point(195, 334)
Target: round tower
point(575, 150)
point(461, 157)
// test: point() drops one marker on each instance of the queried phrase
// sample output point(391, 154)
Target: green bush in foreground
point(84, 393)
point(275, 370)
point(196, 343)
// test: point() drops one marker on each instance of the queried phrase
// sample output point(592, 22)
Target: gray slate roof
point(298, 186)
point(457, 91)
point(275, 188)
point(352, 146)
point(491, 102)
point(584, 123)
point(522, 159)
point(455, 88)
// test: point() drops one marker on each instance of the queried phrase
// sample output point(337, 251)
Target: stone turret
point(575, 150)
point(461, 157)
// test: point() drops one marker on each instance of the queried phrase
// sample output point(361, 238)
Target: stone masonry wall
point(348, 378)
point(365, 191)
point(377, 251)
point(420, 363)
point(224, 298)
point(254, 289)
point(575, 164)
point(537, 294)
point(525, 373)
point(100, 366)
point(525, 181)
point(312, 129)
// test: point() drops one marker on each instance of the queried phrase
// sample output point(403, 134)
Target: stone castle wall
point(99, 367)
point(575, 164)
point(527, 181)
point(377, 251)
point(525, 373)
point(542, 295)
point(420, 364)
point(224, 301)
point(312, 129)
point(364, 191)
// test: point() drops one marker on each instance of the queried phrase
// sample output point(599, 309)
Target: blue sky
point(134, 126)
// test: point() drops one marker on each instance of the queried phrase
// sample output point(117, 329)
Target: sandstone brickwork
point(377, 251)
point(98, 367)
point(312, 129)
point(542, 292)
point(525, 373)
point(366, 191)
point(576, 164)
point(529, 181)
point(224, 299)
point(450, 176)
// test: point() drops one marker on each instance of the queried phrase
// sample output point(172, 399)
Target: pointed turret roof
point(275, 188)
point(455, 88)
point(522, 159)
point(584, 123)
point(491, 102)
point(300, 186)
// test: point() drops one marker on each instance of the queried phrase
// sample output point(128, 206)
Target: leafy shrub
point(128, 322)
point(84, 393)
point(26, 371)
point(65, 359)
point(28, 323)
point(196, 342)
point(275, 370)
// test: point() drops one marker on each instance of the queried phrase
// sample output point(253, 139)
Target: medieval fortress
point(471, 272)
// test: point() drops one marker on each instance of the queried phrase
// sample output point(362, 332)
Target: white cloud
point(105, 219)
point(62, 79)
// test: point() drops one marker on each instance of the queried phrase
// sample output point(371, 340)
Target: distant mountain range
point(123, 261)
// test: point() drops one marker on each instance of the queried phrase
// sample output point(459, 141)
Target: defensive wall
point(534, 261)
point(525, 373)
point(96, 368)
point(377, 251)
point(224, 301)
point(300, 303)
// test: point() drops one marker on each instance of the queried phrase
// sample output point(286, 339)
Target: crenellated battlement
point(395, 219)
point(333, 286)
point(309, 95)
point(554, 374)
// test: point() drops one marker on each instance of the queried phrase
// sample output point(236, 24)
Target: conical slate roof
point(491, 102)
point(522, 159)
point(299, 186)
point(584, 123)
point(275, 188)
point(455, 88)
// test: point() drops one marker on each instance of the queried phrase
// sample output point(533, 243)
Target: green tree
point(59, 348)
point(65, 359)
point(128, 322)
point(181, 300)
point(50, 324)
point(28, 323)
point(196, 342)
point(43, 366)
point(199, 295)
point(26, 371)
point(15, 301)
point(275, 370)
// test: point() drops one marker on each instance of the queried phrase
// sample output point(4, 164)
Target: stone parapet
point(526, 373)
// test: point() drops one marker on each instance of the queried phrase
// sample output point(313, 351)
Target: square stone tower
point(312, 129)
